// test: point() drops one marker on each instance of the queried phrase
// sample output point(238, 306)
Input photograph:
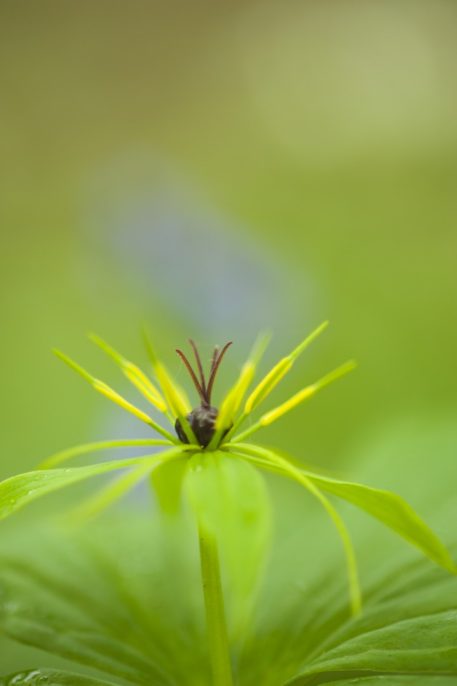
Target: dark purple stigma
point(202, 419)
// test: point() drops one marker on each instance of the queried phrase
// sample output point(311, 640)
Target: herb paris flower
point(212, 444)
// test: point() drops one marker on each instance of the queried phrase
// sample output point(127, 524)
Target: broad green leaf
point(87, 646)
point(229, 498)
point(115, 582)
point(398, 585)
point(423, 645)
point(105, 602)
point(399, 680)
point(392, 511)
point(388, 507)
point(295, 633)
point(20, 490)
point(108, 602)
point(51, 677)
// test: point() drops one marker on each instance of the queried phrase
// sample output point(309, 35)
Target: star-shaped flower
point(212, 444)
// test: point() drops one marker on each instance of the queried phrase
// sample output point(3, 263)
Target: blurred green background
point(218, 168)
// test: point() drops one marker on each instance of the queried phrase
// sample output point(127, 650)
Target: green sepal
point(389, 508)
point(20, 490)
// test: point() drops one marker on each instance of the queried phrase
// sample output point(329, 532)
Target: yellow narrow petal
point(233, 399)
point(267, 384)
point(305, 394)
point(176, 398)
point(103, 388)
point(275, 375)
point(133, 373)
point(177, 401)
point(108, 392)
point(296, 399)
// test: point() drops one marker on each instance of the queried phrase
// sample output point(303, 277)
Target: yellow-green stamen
point(234, 397)
point(133, 373)
point(275, 375)
point(112, 395)
point(301, 396)
point(176, 398)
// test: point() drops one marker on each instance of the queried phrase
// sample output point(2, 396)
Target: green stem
point(214, 606)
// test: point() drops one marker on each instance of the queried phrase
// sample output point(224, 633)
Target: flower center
point(202, 419)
